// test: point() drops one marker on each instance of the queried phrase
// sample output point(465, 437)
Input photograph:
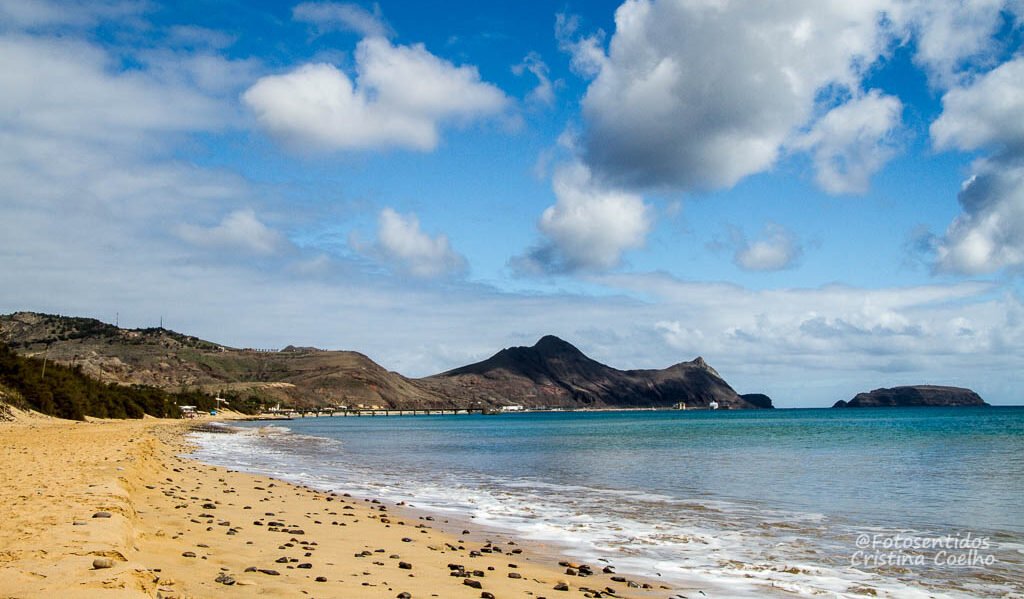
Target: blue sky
point(818, 197)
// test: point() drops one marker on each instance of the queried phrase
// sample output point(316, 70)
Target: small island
point(914, 396)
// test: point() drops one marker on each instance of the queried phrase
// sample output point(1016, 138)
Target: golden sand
point(111, 509)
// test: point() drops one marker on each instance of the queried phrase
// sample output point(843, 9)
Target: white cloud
point(333, 16)
point(953, 37)
point(401, 241)
point(700, 94)
point(853, 141)
point(989, 234)
point(589, 226)
point(544, 93)
point(64, 87)
point(400, 97)
point(240, 230)
point(987, 114)
point(776, 249)
point(32, 14)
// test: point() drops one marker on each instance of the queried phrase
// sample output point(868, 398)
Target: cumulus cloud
point(776, 249)
point(400, 97)
point(589, 226)
point(987, 114)
point(240, 230)
point(700, 95)
point(953, 36)
point(334, 16)
point(402, 243)
point(853, 141)
point(989, 233)
point(544, 93)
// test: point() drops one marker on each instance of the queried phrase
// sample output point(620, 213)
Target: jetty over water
point(283, 413)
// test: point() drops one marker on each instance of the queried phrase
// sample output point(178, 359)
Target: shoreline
point(112, 508)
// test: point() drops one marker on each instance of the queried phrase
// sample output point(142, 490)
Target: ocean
point(918, 502)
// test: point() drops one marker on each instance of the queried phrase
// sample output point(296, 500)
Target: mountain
point(299, 377)
point(914, 396)
point(553, 373)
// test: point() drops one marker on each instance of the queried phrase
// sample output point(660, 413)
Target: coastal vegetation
point(66, 392)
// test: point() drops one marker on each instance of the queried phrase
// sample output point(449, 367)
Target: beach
point(117, 509)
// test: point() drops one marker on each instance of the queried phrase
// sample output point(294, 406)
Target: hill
point(553, 373)
point(914, 396)
point(299, 377)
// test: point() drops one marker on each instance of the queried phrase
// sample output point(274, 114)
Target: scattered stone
point(514, 575)
point(209, 506)
point(562, 586)
point(404, 595)
point(305, 566)
point(101, 563)
point(102, 515)
point(404, 566)
point(321, 579)
point(226, 579)
point(188, 554)
point(486, 595)
point(269, 572)
point(469, 582)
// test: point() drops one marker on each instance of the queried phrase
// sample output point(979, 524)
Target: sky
point(818, 197)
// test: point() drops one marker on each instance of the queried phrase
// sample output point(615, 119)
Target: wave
point(737, 548)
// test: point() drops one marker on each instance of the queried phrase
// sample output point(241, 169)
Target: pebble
point(561, 587)
point(102, 562)
point(469, 582)
point(404, 595)
point(226, 579)
point(102, 515)
point(404, 566)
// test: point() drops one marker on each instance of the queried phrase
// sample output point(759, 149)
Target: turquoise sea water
point(907, 502)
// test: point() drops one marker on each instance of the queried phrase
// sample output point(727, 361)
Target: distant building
point(512, 408)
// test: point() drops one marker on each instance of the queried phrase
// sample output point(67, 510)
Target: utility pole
point(45, 355)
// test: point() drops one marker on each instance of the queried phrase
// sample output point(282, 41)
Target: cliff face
point(914, 396)
point(553, 373)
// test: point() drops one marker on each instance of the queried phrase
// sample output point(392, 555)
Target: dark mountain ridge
point(554, 373)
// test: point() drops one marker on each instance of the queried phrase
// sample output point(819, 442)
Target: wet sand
point(111, 509)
